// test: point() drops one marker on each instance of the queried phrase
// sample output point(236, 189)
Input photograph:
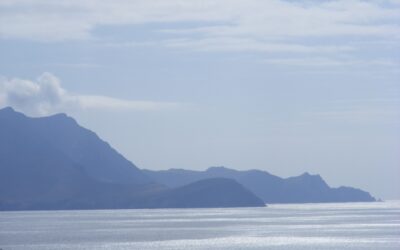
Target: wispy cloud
point(246, 44)
point(362, 111)
point(331, 62)
point(261, 22)
point(81, 65)
point(46, 96)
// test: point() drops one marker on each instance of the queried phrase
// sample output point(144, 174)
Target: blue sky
point(282, 86)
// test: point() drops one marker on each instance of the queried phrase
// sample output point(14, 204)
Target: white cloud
point(222, 24)
point(46, 96)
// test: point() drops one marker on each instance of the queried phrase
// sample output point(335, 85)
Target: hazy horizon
point(282, 86)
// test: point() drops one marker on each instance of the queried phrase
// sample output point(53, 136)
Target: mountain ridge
point(52, 163)
point(305, 188)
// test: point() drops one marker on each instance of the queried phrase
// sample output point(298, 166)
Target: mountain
point(305, 188)
point(53, 163)
point(213, 192)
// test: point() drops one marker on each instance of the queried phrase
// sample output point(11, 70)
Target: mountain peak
point(306, 174)
point(211, 192)
point(61, 117)
point(218, 168)
point(7, 109)
point(10, 112)
point(62, 133)
point(310, 177)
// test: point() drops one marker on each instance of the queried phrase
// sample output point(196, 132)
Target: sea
point(301, 226)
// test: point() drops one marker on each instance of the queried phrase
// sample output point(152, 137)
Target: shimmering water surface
point(306, 226)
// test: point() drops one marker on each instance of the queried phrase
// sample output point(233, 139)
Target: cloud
point(246, 44)
point(362, 111)
point(82, 65)
point(221, 24)
point(46, 96)
point(331, 34)
point(331, 62)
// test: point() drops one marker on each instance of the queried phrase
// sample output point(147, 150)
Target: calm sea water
point(309, 226)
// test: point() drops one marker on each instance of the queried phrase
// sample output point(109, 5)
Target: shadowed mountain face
point(213, 192)
point(53, 163)
point(85, 148)
point(305, 188)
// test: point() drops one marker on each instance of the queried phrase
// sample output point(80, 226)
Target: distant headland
point(52, 163)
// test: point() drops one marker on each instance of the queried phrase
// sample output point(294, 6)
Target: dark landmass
point(305, 188)
point(53, 163)
point(213, 192)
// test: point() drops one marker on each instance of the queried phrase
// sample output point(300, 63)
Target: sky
point(282, 86)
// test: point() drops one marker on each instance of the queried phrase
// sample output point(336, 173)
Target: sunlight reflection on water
point(302, 226)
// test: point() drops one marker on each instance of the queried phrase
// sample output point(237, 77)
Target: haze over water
point(301, 226)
